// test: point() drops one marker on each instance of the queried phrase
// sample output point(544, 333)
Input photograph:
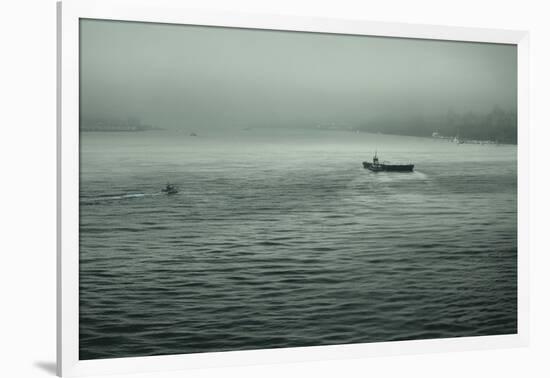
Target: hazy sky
point(190, 76)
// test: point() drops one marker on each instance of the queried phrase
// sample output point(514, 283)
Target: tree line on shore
point(497, 125)
point(102, 123)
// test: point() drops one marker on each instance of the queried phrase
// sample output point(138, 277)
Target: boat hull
point(388, 167)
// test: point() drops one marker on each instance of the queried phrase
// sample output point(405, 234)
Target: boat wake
point(107, 198)
point(392, 176)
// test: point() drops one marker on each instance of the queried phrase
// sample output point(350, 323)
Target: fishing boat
point(170, 189)
point(376, 166)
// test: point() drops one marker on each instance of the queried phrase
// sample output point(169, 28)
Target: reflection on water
point(281, 240)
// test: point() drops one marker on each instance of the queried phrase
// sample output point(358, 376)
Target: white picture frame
point(163, 11)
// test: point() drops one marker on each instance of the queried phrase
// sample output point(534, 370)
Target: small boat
point(376, 166)
point(170, 189)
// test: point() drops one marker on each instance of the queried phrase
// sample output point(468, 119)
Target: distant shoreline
point(431, 137)
point(93, 130)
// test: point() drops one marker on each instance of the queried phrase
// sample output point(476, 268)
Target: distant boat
point(376, 166)
point(170, 189)
point(192, 134)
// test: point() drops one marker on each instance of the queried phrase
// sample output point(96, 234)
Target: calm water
point(280, 240)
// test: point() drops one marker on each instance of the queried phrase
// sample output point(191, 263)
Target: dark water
point(280, 240)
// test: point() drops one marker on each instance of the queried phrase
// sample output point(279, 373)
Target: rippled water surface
point(283, 239)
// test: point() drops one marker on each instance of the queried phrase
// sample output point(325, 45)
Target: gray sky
point(190, 76)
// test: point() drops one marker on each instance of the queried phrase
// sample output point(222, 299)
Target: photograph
point(246, 189)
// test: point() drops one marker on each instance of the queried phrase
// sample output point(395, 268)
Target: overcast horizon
point(178, 76)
